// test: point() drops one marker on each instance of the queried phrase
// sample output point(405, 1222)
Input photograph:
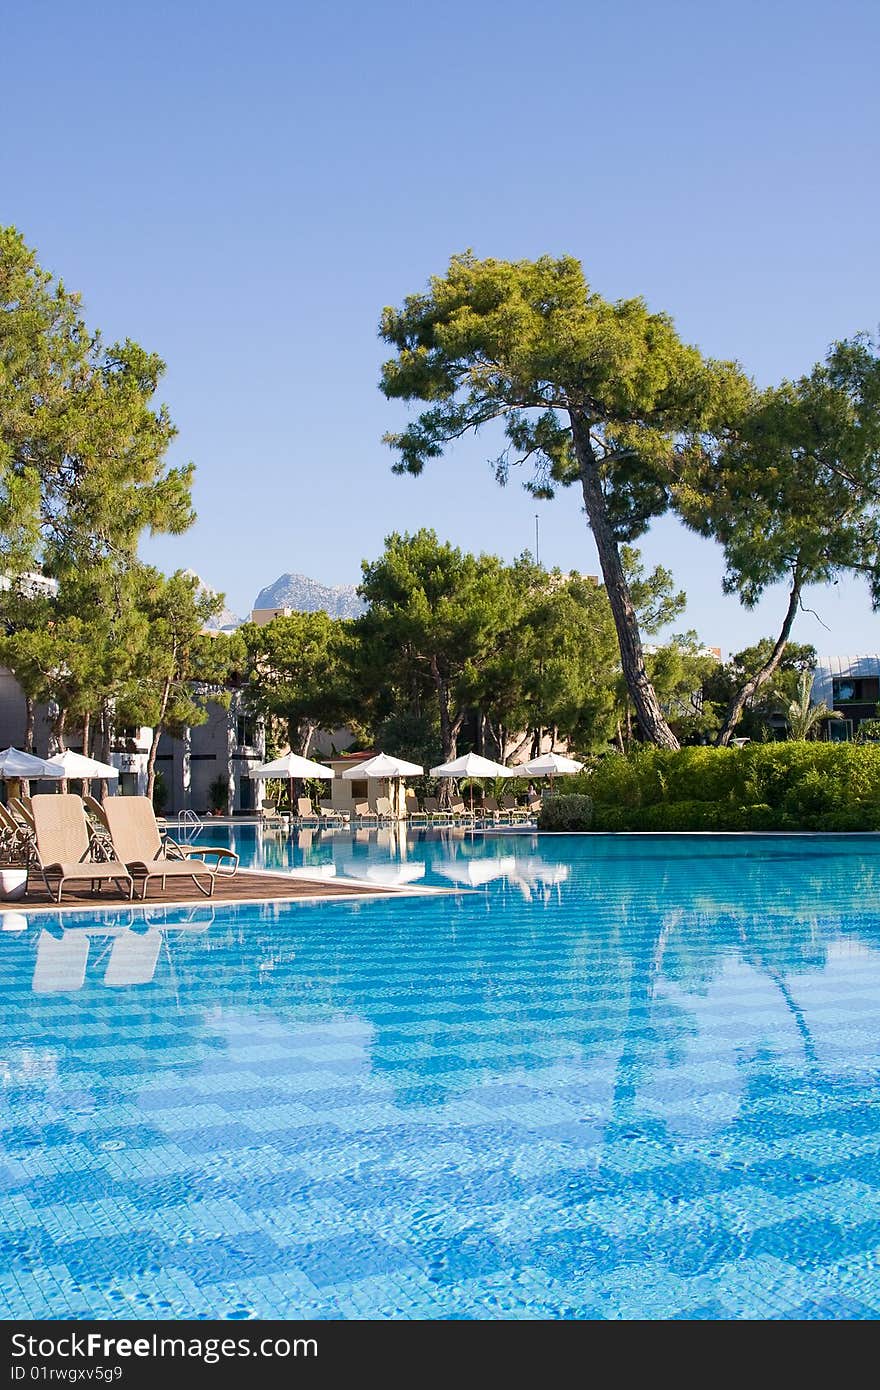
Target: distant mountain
point(306, 595)
point(225, 619)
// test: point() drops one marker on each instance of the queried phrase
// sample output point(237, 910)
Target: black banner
point(134, 1354)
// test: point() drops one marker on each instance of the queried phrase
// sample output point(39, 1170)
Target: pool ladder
point(189, 825)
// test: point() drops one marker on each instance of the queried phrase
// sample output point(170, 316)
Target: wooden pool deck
point(243, 887)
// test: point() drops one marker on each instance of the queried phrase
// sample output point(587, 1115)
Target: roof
point(350, 759)
point(831, 668)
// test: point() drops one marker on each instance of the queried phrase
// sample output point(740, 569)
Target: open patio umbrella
point(471, 765)
point(291, 766)
point(549, 765)
point(75, 766)
point(22, 766)
point(382, 766)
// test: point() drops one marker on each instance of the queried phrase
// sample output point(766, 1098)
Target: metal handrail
point(189, 824)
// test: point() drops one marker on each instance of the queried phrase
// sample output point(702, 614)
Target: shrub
point(160, 792)
point(616, 781)
point(774, 786)
point(218, 795)
point(566, 813)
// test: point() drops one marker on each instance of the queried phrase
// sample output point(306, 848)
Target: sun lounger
point(137, 842)
point(305, 811)
point(63, 847)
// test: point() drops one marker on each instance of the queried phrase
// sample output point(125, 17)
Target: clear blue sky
point(243, 187)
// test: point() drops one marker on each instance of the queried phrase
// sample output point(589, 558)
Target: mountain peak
point(306, 595)
point(223, 620)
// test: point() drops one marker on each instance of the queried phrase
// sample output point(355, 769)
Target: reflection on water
point(625, 1077)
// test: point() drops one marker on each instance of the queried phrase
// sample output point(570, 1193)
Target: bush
point(566, 813)
point(772, 786)
point(160, 792)
point(218, 795)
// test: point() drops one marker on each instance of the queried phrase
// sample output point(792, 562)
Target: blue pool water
point(622, 1077)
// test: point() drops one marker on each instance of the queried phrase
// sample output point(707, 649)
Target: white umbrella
point(22, 766)
point(549, 765)
point(291, 766)
point(382, 766)
point(471, 765)
point(81, 769)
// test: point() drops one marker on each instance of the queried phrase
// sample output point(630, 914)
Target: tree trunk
point(103, 743)
point(58, 728)
point(652, 721)
point(28, 745)
point(305, 733)
point(754, 683)
point(447, 737)
point(86, 733)
point(154, 742)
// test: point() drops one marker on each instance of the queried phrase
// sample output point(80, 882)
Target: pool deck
point(246, 886)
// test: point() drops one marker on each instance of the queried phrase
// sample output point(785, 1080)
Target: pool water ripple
point(617, 1077)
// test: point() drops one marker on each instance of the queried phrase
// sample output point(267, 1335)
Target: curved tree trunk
point(649, 713)
point(158, 728)
point(754, 683)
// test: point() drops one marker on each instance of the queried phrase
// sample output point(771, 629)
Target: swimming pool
point(622, 1077)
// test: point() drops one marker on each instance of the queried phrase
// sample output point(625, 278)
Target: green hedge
point(566, 813)
point(764, 786)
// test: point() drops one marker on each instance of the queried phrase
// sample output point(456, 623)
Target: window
point(358, 791)
point(855, 690)
point(245, 731)
point(840, 730)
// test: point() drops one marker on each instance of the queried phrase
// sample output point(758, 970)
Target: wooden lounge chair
point(137, 842)
point(384, 809)
point(63, 847)
point(270, 814)
point(305, 811)
point(16, 838)
point(331, 815)
point(440, 815)
point(102, 844)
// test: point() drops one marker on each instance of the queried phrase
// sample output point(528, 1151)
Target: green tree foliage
point(82, 448)
point(180, 666)
point(432, 624)
point(804, 718)
point(603, 395)
point(553, 668)
point(723, 682)
point(793, 493)
point(300, 672)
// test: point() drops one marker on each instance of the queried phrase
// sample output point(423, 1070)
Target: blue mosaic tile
point(652, 1092)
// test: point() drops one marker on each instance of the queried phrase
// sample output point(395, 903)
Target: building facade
point(851, 686)
point(196, 769)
